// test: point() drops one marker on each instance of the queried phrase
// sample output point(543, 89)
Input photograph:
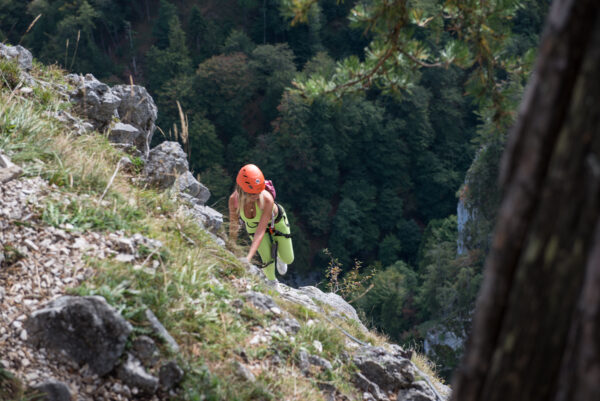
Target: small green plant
point(138, 163)
point(345, 284)
point(44, 96)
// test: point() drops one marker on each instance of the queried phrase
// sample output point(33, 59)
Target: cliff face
point(115, 282)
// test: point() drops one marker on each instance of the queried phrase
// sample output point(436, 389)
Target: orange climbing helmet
point(251, 179)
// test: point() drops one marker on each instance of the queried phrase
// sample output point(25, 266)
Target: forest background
point(370, 179)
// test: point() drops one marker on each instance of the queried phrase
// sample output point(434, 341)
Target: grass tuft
point(10, 74)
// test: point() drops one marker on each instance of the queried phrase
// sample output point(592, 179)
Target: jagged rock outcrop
point(93, 100)
point(192, 190)
point(381, 372)
point(311, 297)
point(18, 53)
point(243, 372)
point(208, 218)
point(128, 136)
point(85, 328)
point(79, 125)
point(129, 113)
point(130, 107)
point(262, 302)
point(419, 391)
point(165, 163)
point(138, 109)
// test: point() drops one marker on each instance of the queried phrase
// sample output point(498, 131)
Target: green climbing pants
point(285, 251)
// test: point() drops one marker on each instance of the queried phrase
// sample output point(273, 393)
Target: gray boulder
point(419, 391)
point(8, 170)
point(19, 53)
point(371, 389)
point(86, 328)
point(161, 331)
point(290, 325)
point(330, 392)
point(133, 374)
point(389, 372)
point(170, 374)
point(165, 163)
point(52, 391)
point(187, 184)
point(79, 125)
point(333, 300)
point(136, 107)
point(311, 297)
point(207, 217)
point(261, 301)
point(144, 348)
point(243, 372)
point(320, 362)
point(127, 134)
point(93, 100)
point(303, 362)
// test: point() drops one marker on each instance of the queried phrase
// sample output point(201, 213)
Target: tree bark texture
point(536, 329)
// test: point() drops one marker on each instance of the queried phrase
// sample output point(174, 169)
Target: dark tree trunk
point(536, 329)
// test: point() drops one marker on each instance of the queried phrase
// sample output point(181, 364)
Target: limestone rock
point(137, 108)
point(160, 330)
point(320, 362)
point(19, 53)
point(126, 134)
point(290, 325)
point(331, 299)
point(86, 328)
point(165, 163)
point(372, 389)
point(93, 100)
point(260, 301)
point(243, 372)
point(144, 348)
point(419, 391)
point(170, 374)
point(207, 217)
point(187, 184)
point(310, 297)
point(389, 372)
point(52, 391)
point(133, 374)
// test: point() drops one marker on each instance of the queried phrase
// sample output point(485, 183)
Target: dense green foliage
point(367, 174)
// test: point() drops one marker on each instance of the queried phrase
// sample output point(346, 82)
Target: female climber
point(266, 221)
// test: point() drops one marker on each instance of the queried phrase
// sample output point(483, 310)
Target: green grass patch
point(300, 312)
point(86, 215)
point(331, 338)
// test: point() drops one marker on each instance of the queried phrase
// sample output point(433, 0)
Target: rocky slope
point(60, 337)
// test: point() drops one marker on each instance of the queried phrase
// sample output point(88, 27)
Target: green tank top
point(251, 224)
